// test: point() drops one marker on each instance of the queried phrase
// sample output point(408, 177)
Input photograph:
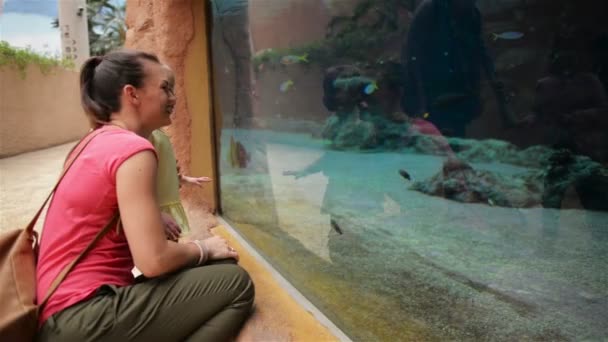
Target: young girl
point(168, 182)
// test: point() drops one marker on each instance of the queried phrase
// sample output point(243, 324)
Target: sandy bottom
point(410, 266)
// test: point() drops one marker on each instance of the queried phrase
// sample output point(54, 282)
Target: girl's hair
point(103, 77)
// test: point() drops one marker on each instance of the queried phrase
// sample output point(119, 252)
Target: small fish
point(293, 59)
point(405, 174)
point(335, 226)
point(352, 82)
point(238, 157)
point(490, 202)
point(510, 35)
point(370, 88)
point(285, 86)
point(426, 115)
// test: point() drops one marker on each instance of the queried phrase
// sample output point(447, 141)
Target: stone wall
point(39, 110)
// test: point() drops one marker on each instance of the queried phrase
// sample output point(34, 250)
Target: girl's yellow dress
point(167, 183)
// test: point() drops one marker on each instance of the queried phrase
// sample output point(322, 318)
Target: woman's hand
point(218, 248)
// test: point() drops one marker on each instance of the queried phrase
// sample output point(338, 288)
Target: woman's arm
point(152, 253)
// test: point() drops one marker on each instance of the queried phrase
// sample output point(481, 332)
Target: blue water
point(465, 271)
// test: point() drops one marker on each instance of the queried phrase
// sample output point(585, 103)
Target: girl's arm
point(198, 181)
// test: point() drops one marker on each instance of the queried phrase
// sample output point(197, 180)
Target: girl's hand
point(172, 229)
point(198, 181)
point(218, 248)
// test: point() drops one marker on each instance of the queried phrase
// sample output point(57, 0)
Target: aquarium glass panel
point(422, 169)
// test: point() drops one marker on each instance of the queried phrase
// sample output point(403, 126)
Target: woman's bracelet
point(203, 251)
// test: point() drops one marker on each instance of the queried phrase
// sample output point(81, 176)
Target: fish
point(490, 202)
point(335, 226)
point(405, 174)
point(237, 155)
point(232, 153)
point(293, 59)
point(426, 115)
point(509, 35)
point(352, 82)
point(285, 86)
point(370, 88)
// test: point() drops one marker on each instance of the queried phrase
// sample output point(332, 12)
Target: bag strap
point(70, 161)
point(74, 153)
point(64, 272)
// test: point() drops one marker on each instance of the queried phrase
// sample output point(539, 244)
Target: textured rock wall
point(169, 29)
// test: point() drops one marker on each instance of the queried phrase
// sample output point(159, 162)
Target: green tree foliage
point(21, 58)
point(106, 22)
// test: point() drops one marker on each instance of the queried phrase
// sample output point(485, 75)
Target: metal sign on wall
point(74, 30)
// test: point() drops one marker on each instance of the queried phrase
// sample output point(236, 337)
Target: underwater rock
point(454, 165)
point(355, 134)
point(533, 156)
point(428, 144)
point(565, 176)
point(458, 181)
point(481, 151)
point(491, 150)
point(587, 178)
point(331, 127)
point(344, 130)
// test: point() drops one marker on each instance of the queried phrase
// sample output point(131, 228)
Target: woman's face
point(156, 96)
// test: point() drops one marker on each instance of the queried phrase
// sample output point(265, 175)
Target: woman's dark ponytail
point(87, 92)
point(103, 78)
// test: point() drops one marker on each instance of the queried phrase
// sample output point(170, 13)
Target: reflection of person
point(340, 190)
point(443, 58)
point(128, 95)
point(347, 98)
point(169, 180)
point(571, 106)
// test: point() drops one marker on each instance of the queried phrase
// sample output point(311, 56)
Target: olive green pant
point(208, 303)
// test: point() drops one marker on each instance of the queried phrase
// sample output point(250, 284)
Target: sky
point(27, 23)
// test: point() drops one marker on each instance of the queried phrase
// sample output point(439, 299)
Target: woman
point(129, 94)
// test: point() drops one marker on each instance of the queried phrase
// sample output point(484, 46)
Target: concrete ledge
point(281, 312)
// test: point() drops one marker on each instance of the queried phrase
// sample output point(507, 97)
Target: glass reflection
point(422, 170)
